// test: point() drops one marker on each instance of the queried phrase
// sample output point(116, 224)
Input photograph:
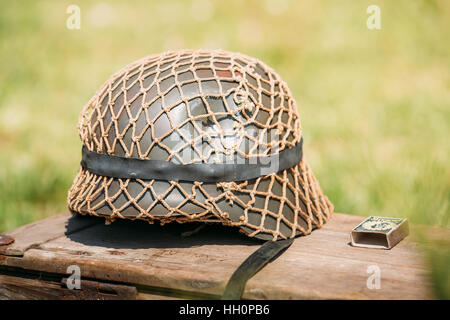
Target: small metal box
point(379, 232)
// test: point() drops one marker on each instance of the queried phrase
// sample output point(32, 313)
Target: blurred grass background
point(374, 104)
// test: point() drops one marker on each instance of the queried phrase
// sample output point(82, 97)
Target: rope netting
point(199, 107)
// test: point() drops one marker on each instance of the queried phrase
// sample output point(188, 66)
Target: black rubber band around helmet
point(124, 168)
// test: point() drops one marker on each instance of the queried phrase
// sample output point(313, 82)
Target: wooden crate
point(136, 260)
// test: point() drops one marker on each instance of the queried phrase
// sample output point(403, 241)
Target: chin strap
point(256, 261)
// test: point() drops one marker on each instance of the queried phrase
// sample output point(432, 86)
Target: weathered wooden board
point(159, 262)
point(17, 288)
point(34, 234)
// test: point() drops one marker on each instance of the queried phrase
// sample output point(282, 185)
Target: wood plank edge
point(55, 280)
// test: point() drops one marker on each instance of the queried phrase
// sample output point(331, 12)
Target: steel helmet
point(198, 135)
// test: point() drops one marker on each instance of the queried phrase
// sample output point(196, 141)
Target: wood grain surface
point(162, 263)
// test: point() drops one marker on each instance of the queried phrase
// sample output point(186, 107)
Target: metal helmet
point(198, 135)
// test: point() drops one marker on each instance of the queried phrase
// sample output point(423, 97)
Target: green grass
point(375, 105)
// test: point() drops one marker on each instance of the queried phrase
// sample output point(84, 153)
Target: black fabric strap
point(121, 167)
point(255, 262)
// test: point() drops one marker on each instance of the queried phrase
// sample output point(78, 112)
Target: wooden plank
point(148, 296)
point(18, 288)
point(34, 234)
point(15, 288)
point(137, 252)
point(321, 265)
point(327, 267)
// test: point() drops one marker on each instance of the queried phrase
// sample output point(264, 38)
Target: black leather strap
point(121, 167)
point(255, 262)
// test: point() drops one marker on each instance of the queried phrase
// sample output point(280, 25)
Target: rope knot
point(228, 188)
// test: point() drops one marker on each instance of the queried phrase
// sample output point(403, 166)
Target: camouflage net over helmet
point(199, 107)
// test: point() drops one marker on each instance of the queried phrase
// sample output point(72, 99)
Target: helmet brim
point(277, 206)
